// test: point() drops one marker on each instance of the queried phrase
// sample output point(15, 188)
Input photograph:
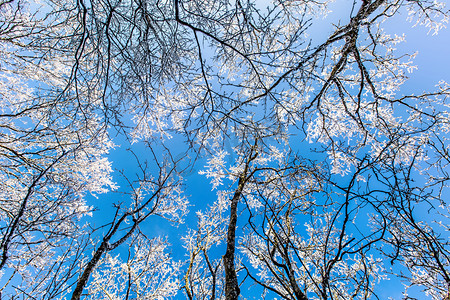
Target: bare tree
point(324, 167)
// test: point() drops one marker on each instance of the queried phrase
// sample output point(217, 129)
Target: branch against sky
point(323, 163)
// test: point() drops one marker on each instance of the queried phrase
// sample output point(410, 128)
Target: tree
point(51, 154)
point(323, 165)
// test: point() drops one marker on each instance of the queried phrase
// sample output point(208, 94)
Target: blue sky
point(433, 61)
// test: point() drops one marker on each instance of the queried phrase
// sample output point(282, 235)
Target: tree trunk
point(231, 283)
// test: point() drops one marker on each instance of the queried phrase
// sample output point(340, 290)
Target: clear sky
point(433, 62)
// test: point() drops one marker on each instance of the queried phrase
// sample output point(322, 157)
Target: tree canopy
point(329, 173)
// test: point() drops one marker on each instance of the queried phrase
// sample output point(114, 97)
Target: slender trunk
point(232, 290)
point(290, 272)
point(105, 246)
point(88, 270)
